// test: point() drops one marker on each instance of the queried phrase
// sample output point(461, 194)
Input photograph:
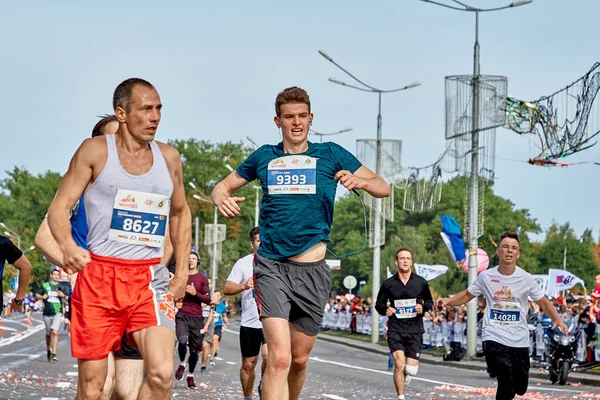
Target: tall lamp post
point(377, 205)
point(474, 198)
point(202, 197)
point(320, 135)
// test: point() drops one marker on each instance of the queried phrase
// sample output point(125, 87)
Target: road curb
point(428, 359)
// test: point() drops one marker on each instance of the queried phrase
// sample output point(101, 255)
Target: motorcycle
point(561, 350)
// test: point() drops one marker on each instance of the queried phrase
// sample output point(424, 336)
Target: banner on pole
point(559, 279)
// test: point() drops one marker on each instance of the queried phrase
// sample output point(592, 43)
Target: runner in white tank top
point(134, 194)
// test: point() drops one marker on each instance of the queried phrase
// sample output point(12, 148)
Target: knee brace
point(411, 370)
point(183, 340)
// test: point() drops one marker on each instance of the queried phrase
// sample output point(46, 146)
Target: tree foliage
point(24, 199)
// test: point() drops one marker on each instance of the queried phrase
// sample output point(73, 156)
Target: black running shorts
point(251, 339)
point(186, 325)
point(128, 352)
point(409, 343)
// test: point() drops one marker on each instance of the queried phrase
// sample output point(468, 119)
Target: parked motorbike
point(561, 350)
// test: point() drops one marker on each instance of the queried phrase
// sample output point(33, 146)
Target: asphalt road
point(335, 372)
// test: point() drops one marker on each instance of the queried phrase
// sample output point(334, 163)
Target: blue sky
point(219, 65)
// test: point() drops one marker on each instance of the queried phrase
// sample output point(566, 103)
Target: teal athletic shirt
point(299, 193)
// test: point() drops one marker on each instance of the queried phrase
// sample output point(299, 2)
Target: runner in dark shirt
point(189, 323)
point(11, 254)
point(404, 298)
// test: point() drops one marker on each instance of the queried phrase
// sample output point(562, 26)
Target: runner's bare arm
point(180, 222)
point(168, 249)
point(24, 267)
point(458, 299)
point(46, 244)
point(232, 288)
point(550, 310)
point(221, 195)
point(79, 175)
point(366, 180)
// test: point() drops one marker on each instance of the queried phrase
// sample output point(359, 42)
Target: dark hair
point(292, 94)
point(254, 231)
point(510, 235)
point(104, 120)
point(122, 95)
point(404, 249)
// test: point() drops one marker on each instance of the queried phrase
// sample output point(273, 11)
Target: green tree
point(205, 165)
point(579, 260)
point(24, 202)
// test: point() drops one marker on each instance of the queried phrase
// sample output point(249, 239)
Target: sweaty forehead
point(509, 242)
point(142, 94)
point(294, 108)
point(404, 254)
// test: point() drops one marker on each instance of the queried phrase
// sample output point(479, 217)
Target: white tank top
point(127, 214)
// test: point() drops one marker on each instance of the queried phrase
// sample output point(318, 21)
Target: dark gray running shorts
point(293, 291)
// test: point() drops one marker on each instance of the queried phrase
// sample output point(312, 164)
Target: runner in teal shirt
point(291, 278)
point(309, 215)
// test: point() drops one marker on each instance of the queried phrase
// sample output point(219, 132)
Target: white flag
point(430, 272)
point(542, 280)
point(389, 274)
point(559, 279)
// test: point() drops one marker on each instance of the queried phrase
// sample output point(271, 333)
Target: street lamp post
point(215, 237)
point(474, 186)
point(320, 135)
point(377, 205)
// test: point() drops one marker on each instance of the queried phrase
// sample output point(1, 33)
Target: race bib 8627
point(139, 218)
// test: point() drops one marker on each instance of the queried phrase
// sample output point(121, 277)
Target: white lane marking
point(72, 374)
point(387, 373)
point(230, 331)
point(7, 328)
point(75, 366)
point(31, 356)
point(414, 377)
point(49, 398)
point(532, 388)
point(218, 359)
point(230, 363)
point(63, 384)
point(334, 397)
point(19, 337)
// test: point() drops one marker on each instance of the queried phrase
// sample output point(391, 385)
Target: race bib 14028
point(139, 218)
point(292, 175)
point(505, 313)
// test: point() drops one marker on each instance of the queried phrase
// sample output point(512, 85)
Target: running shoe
point(179, 372)
point(191, 384)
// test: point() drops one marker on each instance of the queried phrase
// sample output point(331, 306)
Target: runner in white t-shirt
point(251, 334)
point(505, 333)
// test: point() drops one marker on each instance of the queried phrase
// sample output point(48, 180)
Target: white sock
point(183, 364)
point(401, 397)
point(190, 375)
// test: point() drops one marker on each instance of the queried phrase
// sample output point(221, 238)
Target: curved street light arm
point(412, 85)
point(328, 58)
point(475, 9)
point(352, 86)
point(443, 5)
point(332, 133)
